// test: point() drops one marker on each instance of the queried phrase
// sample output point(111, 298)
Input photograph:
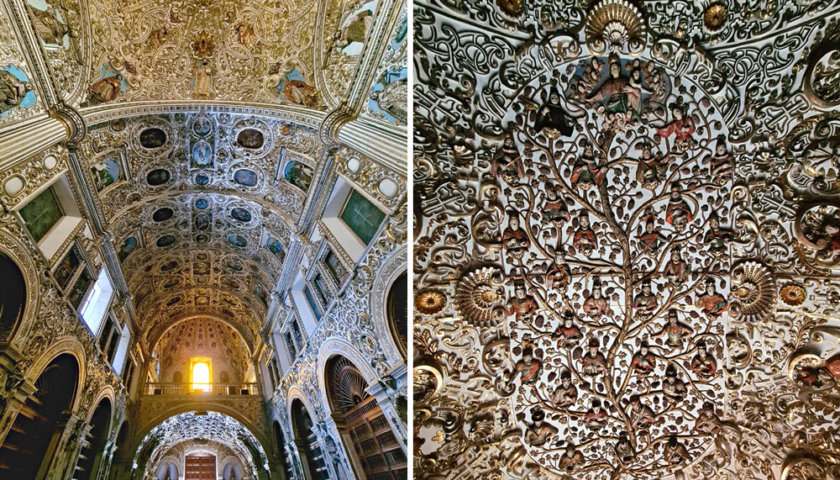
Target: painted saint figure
point(596, 417)
point(585, 239)
point(707, 421)
point(643, 360)
point(703, 364)
point(552, 119)
point(589, 168)
point(675, 269)
point(564, 395)
point(624, 449)
point(514, 239)
point(568, 332)
point(12, 91)
point(645, 303)
point(528, 367)
point(674, 329)
point(712, 302)
point(594, 362)
point(522, 304)
point(571, 459)
point(558, 275)
point(539, 432)
point(641, 416)
point(595, 304)
point(716, 237)
point(673, 387)
point(507, 163)
point(720, 164)
point(652, 238)
point(675, 452)
point(651, 169)
point(106, 89)
point(678, 213)
point(681, 127)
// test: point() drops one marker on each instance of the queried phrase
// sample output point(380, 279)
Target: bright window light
point(200, 375)
point(95, 306)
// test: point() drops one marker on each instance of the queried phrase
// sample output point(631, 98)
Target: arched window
point(27, 451)
point(12, 297)
point(90, 458)
point(375, 448)
point(307, 443)
point(284, 451)
point(398, 312)
point(200, 373)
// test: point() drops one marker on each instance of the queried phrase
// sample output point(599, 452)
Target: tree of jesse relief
point(614, 178)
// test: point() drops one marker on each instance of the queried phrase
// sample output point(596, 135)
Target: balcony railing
point(204, 389)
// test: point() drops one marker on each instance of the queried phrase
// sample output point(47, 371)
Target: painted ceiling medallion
point(615, 25)
point(792, 294)
point(714, 17)
point(430, 302)
point(479, 297)
point(753, 291)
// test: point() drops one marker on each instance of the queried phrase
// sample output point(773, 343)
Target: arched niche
point(312, 459)
point(231, 470)
point(90, 462)
point(397, 312)
point(284, 452)
point(381, 295)
point(368, 438)
point(20, 261)
point(28, 449)
point(12, 297)
point(167, 471)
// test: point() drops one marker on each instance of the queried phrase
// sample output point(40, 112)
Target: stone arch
point(392, 268)
point(299, 414)
point(19, 255)
point(64, 345)
point(92, 458)
point(336, 346)
point(252, 425)
point(157, 333)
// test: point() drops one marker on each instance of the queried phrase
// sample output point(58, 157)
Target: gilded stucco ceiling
point(626, 253)
point(201, 207)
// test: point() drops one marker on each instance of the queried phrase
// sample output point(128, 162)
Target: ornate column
point(15, 389)
point(321, 434)
point(66, 452)
point(386, 398)
point(342, 461)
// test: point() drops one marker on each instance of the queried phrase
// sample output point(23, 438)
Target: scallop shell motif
point(753, 292)
point(479, 297)
point(613, 24)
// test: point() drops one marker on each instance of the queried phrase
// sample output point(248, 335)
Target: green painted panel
point(362, 217)
point(41, 214)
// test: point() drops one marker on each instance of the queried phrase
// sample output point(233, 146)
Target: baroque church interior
point(626, 239)
point(203, 261)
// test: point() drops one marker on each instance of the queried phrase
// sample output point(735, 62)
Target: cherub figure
point(676, 269)
point(594, 362)
point(552, 118)
point(596, 417)
point(589, 168)
point(707, 421)
point(641, 416)
point(528, 367)
point(515, 240)
point(712, 302)
point(584, 239)
point(643, 360)
point(674, 329)
point(539, 432)
point(507, 163)
point(568, 331)
point(830, 240)
point(703, 364)
point(564, 395)
point(678, 213)
point(645, 302)
point(595, 304)
point(673, 387)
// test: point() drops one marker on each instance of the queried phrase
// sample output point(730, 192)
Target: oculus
point(246, 177)
point(250, 138)
point(158, 177)
point(152, 138)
